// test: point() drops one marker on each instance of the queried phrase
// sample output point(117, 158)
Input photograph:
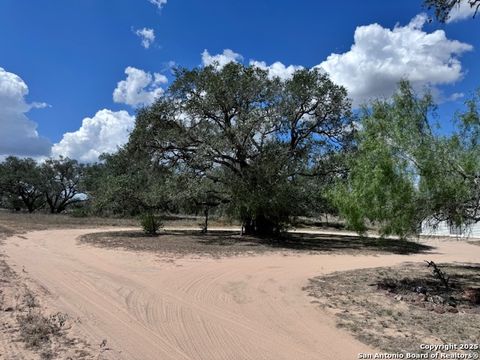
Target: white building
point(445, 228)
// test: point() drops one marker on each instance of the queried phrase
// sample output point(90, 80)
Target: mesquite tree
point(404, 173)
point(252, 134)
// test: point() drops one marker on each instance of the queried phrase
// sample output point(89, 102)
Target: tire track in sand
point(233, 308)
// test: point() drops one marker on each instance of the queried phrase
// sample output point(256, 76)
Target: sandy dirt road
point(151, 307)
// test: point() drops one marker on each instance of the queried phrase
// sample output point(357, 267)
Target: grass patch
point(11, 222)
point(19, 222)
point(218, 243)
point(36, 330)
point(396, 309)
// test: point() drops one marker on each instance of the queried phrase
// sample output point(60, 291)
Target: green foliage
point(24, 184)
point(21, 184)
point(150, 224)
point(403, 173)
point(395, 147)
point(80, 212)
point(451, 186)
point(61, 183)
point(127, 184)
point(267, 194)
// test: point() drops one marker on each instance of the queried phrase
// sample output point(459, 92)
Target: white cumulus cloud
point(461, 11)
point(18, 134)
point(220, 60)
point(158, 3)
point(147, 36)
point(380, 57)
point(277, 69)
point(140, 88)
point(102, 133)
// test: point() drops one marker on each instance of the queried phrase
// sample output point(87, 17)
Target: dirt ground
point(21, 222)
point(475, 242)
point(397, 308)
point(183, 295)
point(29, 329)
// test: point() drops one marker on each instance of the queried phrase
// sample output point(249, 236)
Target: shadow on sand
point(231, 243)
point(316, 242)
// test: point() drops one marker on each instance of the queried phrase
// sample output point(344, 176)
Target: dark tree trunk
point(260, 226)
point(205, 227)
point(248, 226)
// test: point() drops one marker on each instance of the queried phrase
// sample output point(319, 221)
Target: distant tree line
point(54, 184)
point(235, 141)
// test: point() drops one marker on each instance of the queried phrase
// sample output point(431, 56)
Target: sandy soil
point(150, 306)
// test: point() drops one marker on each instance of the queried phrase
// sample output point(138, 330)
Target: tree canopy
point(25, 184)
point(21, 184)
point(404, 173)
point(61, 181)
point(251, 134)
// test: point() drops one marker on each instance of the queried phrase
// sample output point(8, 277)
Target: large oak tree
point(253, 135)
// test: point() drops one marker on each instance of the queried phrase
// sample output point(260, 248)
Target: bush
point(80, 212)
point(150, 224)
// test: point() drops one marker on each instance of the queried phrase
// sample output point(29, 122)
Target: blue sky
point(72, 54)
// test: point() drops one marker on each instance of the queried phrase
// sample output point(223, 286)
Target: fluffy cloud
point(220, 60)
point(380, 57)
point(147, 36)
point(18, 134)
point(158, 3)
point(103, 133)
point(107, 130)
point(140, 88)
point(277, 69)
point(461, 12)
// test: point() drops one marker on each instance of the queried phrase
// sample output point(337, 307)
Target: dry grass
point(37, 330)
point(20, 222)
point(397, 309)
point(22, 317)
point(220, 243)
point(24, 322)
point(11, 222)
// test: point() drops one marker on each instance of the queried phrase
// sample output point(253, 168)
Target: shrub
point(150, 224)
point(37, 329)
point(80, 212)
